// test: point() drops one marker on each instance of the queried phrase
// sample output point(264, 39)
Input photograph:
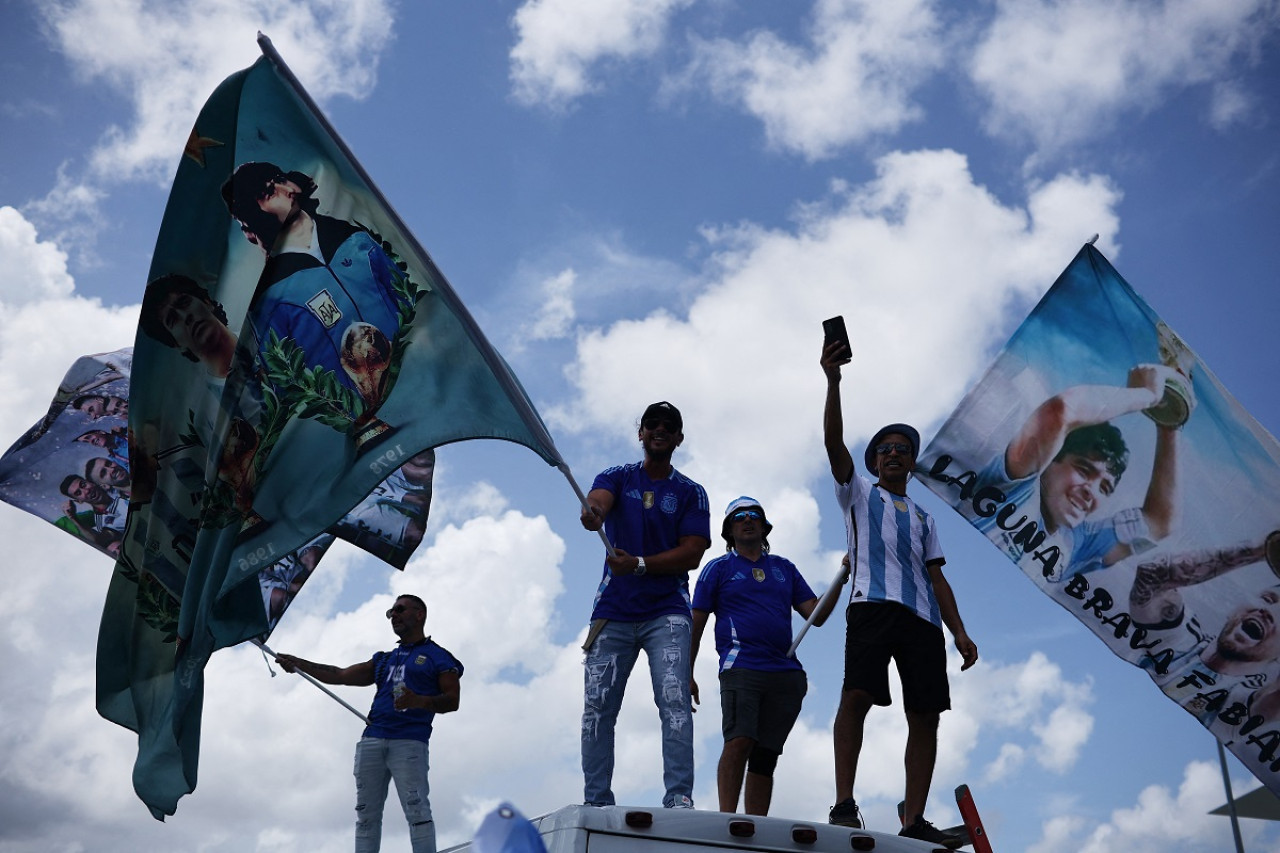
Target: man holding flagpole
point(659, 522)
point(416, 680)
point(899, 602)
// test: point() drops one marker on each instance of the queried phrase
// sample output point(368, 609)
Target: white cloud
point(1042, 716)
point(556, 314)
point(454, 506)
point(855, 79)
point(1230, 105)
point(921, 260)
point(32, 269)
point(166, 60)
point(1061, 71)
point(1062, 737)
point(1161, 819)
point(46, 326)
point(1059, 834)
point(559, 43)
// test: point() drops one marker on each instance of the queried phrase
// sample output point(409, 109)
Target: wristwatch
point(640, 569)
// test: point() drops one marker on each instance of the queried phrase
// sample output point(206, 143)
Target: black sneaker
point(845, 813)
point(925, 831)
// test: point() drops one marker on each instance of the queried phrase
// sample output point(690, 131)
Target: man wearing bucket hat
point(897, 606)
point(659, 523)
point(752, 593)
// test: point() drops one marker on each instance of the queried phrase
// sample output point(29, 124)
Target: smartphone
point(834, 330)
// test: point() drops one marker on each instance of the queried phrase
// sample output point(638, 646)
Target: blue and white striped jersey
point(891, 540)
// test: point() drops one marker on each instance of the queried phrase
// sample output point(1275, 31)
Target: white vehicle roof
point(641, 829)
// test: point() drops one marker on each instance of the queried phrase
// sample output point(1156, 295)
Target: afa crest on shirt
point(325, 309)
point(758, 574)
point(670, 504)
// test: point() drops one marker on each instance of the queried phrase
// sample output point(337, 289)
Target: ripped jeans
point(666, 640)
point(378, 761)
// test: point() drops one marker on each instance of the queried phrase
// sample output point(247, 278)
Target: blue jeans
point(667, 641)
point(378, 761)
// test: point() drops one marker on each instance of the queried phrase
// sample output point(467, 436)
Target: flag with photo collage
point(1101, 456)
point(296, 346)
point(71, 468)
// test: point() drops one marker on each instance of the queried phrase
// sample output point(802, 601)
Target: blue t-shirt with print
point(648, 517)
point(419, 666)
point(752, 601)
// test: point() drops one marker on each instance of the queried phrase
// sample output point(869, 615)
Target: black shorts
point(761, 705)
point(878, 631)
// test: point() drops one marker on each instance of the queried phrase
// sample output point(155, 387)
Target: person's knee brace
point(762, 761)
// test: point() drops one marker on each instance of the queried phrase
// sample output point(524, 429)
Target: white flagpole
point(564, 469)
point(335, 697)
point(834, 589)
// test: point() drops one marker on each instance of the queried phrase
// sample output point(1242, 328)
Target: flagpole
point(1231, 800)
point(335, 697)
point(833, 589)
point(568, 475)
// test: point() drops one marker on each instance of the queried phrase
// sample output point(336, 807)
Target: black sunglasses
point(890, 446)
point(653, 423)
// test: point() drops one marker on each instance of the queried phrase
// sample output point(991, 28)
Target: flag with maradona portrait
point(1102, 457)
point(296, 347)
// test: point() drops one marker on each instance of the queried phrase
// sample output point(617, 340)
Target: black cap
point(902, 429)
point(665, 411)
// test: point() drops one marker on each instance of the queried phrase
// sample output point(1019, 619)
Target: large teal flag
point(296, 346)
point(1105, 460)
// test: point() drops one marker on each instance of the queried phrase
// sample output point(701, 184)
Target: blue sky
point(644, 200)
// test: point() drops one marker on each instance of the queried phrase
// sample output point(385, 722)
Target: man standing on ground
point(659, 523)
point(897, 607)
point(416, 680)
point(752, 592)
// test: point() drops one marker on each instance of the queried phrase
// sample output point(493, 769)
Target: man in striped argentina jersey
point(898, 604)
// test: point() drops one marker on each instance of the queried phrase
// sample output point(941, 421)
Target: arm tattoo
point(1171, 572)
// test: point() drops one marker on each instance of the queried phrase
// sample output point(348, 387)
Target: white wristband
point(640, 569)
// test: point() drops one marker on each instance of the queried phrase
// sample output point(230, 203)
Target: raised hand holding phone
point(833, 331)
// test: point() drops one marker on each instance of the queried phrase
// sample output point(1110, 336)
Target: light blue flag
point(296, 346)
point(1102, 456)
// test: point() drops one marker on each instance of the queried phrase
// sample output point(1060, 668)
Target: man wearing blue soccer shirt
point(659, 524)
point(416, 680)
point(899, 602)
point(752, 592)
